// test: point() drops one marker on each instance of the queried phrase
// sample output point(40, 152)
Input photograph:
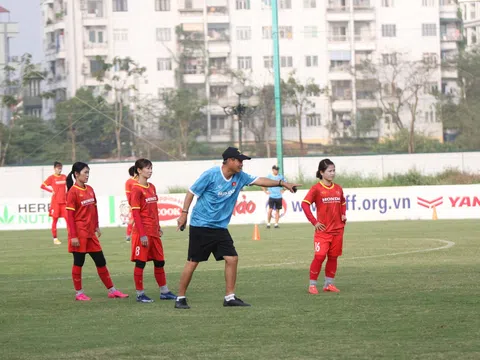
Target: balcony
point(449, 72)
point(448, 13)
point(454, 35)
point(217, 14)
point(95, 49)
point(190, 15)
point(219, 47)
point(95, 18)
point(365, 42)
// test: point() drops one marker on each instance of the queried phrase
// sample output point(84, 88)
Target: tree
point(297, 95)
point(461, 117)
point(121, 77)
point(399, 85)
point(13, 88)
point(182, 118)
point(83, 119)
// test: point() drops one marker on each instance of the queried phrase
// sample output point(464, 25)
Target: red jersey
point(144, 198)
point(59, 185)
point(128, 187)
point(330, 204)
point(84, 203)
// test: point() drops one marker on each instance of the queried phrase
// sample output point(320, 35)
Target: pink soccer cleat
point(82, 297)
point(312, 289)
point(117, 294)
point(331, 288)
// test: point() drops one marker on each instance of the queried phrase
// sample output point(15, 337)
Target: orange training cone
point(434, 215)
point(256, 233)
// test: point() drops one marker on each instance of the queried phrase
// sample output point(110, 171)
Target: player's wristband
point(279, 182)
point(185, 211)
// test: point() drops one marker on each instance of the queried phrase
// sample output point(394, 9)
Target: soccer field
point(409, 290)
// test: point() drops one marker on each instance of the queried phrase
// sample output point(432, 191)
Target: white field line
point(447, 245)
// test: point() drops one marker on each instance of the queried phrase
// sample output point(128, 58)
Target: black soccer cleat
point(181, 304)
point(235, 302)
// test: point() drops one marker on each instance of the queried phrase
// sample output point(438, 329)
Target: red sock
point(129, 229)
point(316, 266)
point(77, 277)
point(105, 276)
point(331, 267)
point(160, 276)
point(138, 277)
point(54, 227)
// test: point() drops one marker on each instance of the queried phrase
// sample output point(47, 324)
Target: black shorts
point(275, 204)
point(203, 241)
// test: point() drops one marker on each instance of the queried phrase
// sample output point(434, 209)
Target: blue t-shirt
point(217, 197)
point(276, 192)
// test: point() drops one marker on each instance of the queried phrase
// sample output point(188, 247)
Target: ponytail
point(70, 180)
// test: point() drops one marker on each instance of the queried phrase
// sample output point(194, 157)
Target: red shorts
point(87, 245)
point(154, 250)
point(328, 244)
point(58, 211)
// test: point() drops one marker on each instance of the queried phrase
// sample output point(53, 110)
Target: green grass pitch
point(409, 290)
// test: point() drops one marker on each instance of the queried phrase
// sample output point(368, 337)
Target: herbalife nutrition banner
point(364, 204)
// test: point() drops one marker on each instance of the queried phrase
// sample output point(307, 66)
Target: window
point(388, 3)
point(36, 112)
point(311, 32)
point(285, 32)
point(164, 34)
point(266, 4)
point(120, 5)
point(96, 66)
point(266, 32)
point(244, 62)
point(389, 30)
point(288, 121)
point(429, 29)
point(285, 4)
point(430, 116)
point(309, 4)
point(120, 35)
point(164, 64)
point(389, 59)
point(95, 36)
point(33, 88)
point(162, 5)
point(314, 120)
point(218, 92)
point(428, 2)
point(242, 4)
point(218, 122)
point(244, 33)
point(95, 8)
point(431, 88)
point(311, 60)
point(268, 62)
point(430, 58)
point(286, 61)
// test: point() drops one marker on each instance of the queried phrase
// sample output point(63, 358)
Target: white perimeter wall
point(109, 179)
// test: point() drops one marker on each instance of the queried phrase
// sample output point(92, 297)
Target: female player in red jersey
point(56, 184)
point(146, 242)
point(329, 225)
point(128, 190)
point(82, 223)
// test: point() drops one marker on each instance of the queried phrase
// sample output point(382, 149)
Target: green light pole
point(277, 89)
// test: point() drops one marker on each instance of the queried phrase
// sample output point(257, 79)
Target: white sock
point(230, 297)
point(328, 281)
point(164, 289)
point(140, 292)
point(79, 292)
point(112, 289)
point(268, 224)
point(180, 297)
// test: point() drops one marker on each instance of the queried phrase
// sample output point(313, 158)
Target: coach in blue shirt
point(217, 190)
point(274, 197)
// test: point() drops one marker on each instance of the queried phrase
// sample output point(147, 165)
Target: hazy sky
point(28, 14)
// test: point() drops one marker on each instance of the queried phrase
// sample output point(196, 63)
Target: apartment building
point(470, 12)
point(322, 40)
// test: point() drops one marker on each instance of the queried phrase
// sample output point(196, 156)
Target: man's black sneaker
point(181, 304)
point(235, 302)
